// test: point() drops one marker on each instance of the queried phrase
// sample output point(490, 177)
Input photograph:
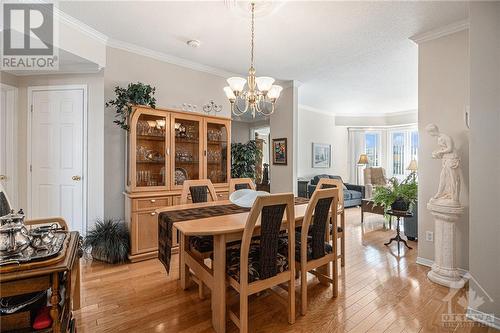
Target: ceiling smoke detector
point(194, 43)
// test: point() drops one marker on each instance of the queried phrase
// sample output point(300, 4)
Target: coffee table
point(368, 206)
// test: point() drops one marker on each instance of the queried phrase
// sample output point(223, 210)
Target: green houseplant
point(135, 94)
point(244, 158)
point(398, 196)
point(108, 241)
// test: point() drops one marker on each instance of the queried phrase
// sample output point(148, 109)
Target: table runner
point(167, 219)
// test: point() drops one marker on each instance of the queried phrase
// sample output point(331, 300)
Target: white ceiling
point(351, 57)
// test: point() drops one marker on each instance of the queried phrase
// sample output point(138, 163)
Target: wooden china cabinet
point(164, 148)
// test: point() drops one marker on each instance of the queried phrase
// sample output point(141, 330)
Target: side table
point(398, 238)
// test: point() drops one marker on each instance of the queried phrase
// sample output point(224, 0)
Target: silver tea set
point(15, 237)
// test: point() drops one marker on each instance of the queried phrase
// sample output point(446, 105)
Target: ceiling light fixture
point(261, 94)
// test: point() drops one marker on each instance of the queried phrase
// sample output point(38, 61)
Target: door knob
point(77, 178)
point(3, 177)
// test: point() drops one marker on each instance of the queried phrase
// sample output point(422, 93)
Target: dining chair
point(337, 183)
point(201, 246)
point(313, 251)
point(236, 184)
point(257, 263)
point(5, 206)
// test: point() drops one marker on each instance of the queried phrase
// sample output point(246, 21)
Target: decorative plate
point(180, 176)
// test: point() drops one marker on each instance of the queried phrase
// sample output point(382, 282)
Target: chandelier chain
point(253, 33)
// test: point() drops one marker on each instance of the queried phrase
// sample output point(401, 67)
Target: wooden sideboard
point(163, 148)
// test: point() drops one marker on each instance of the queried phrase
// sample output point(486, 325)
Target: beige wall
point(484, 237)
point(174, 85)
point(442, 97)
point(283, 124)
point(320, 127)
point(95, 119)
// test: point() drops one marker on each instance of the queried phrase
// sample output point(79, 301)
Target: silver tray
point(32, 254)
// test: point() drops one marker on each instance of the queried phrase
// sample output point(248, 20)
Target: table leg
point(55, 298)
point(219, 287)
point(76, 296)
point(362, 213)
point(183, 268)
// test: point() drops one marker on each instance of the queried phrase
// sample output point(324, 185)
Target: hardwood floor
point(377, 293)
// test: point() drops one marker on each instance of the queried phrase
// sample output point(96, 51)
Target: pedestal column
point(444, 271)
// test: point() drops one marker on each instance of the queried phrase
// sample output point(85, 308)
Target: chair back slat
point(270, 211)
point(199, 190)
point(270, 225)
point(236, 184)
point(322, 205)
point(333, 183)
point(319, 226)
point(199, 194)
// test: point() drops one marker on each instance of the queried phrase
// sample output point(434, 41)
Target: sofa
point(353, 194)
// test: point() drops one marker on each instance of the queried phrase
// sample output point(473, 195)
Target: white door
point(8, 154)
point(57, 155)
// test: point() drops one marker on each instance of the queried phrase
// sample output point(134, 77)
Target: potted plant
point(244, 158)
point(135, 94)
point(108, 241)
point(397, 196)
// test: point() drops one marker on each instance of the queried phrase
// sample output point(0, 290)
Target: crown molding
point(441, 32)
point(313, 109)
point(378, 115)
point(129, 47)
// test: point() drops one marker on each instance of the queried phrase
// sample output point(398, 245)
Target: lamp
point(363, 160)
point(413, 166)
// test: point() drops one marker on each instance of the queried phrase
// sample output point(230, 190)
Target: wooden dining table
point(224, 229)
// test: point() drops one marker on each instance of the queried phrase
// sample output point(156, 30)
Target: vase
point(400, 205)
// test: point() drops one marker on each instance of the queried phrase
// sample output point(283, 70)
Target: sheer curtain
point(356, 147)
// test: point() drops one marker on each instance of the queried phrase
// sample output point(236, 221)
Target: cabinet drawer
point(151, 203)
point(222, 196)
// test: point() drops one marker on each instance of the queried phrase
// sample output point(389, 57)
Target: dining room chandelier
point(261, 94)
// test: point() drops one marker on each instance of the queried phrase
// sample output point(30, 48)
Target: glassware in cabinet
point(187, 155)
point(217, 151)
point(150, 131)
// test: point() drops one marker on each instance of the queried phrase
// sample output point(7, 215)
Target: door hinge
point(31, 107)
point(31, 168)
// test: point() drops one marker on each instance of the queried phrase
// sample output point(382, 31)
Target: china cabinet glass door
point(151, 144)
point(217, 151)
point(187, 152)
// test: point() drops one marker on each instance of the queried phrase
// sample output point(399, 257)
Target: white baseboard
point(479, 316)
point(428, 263)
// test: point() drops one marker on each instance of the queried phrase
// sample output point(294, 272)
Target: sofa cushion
point(355, 195)
point(316, 179)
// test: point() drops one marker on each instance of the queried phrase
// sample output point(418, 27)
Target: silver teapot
point(14, 237)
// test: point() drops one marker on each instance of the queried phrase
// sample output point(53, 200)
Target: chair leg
point(243, 313)
point(291, 301)
point(342, 239)
point(303, 292)
point(201, 290)
point(335, 278)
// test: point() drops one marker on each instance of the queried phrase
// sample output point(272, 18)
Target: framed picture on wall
point(279, 151)
point(321, 155)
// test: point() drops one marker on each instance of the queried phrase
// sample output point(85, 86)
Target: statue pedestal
point(444, 271)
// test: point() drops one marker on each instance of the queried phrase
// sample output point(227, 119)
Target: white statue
point(448, 193)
